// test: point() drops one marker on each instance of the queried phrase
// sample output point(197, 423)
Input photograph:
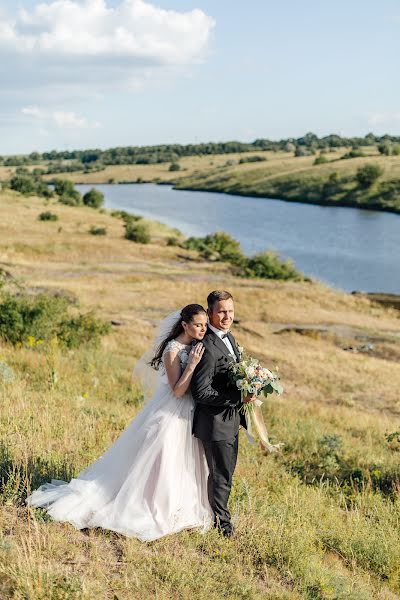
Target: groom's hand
point(247, 399)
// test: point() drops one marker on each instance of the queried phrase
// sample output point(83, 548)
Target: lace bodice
point(183, 351)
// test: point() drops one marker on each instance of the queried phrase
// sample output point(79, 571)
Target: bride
point(153, 480)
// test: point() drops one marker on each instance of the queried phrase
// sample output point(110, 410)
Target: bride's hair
point(187, 314)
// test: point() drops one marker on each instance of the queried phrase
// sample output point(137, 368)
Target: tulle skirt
point(151, 482)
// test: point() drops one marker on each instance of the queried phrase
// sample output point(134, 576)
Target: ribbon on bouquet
point(255, 417)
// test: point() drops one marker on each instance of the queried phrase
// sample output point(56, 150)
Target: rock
point(117, 323)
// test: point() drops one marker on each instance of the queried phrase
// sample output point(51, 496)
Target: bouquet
point(251, 378)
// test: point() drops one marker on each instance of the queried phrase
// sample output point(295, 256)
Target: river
point(350, 249)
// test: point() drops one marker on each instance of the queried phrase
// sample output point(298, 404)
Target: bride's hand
point(195, 355)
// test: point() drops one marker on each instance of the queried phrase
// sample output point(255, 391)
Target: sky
point(104, 73)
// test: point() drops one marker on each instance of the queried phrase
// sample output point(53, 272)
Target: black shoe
point(228, 533)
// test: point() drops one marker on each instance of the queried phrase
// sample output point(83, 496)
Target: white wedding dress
point(151, 482)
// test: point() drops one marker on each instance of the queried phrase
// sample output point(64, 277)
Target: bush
point(217, 246)
point(44, 317)
point(268, 265)
point(98, 230)
point(137, 232)
point(301, 151)
point(250, 159)
point(64, 188)
point(388, 149)
point(368, 174)
point(24, 316)
point(173, 241)
point(321, 159)
point(93, 198)
point(174, 167)
point(84, 329)
point(354, 153)
point(29, 183)
point(47, 216)
point(125, 216)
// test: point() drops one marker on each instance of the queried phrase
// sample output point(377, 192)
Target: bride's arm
point(178, 381)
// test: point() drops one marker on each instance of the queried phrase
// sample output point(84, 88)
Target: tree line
point(96, 158)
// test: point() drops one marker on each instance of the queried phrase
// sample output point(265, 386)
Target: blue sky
point(101, 73)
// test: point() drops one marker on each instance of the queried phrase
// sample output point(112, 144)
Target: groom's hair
point(216, 296)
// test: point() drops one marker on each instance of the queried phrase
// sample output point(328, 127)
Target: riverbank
point(319, 518)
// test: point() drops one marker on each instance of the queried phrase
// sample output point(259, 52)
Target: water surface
point(348, 248)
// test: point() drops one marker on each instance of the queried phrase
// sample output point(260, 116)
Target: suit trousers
point(221, 459)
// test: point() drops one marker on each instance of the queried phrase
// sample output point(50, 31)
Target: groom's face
point(221, 315)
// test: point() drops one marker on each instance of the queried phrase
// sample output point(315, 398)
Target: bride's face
point(197, 327)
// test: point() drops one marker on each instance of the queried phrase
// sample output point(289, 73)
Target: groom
point(216, 417)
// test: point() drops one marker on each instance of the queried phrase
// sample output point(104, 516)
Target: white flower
point(250, 372)
point(239, 383)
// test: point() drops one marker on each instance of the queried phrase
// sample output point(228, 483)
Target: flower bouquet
point(252, 379)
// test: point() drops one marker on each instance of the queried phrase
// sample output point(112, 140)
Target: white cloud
point(134, 31)
point(63, 119)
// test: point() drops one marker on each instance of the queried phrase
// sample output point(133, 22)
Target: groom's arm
point(201, 385)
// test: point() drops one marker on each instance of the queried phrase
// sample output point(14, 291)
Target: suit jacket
point(217, 400)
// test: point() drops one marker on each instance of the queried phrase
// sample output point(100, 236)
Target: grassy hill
point(319, 520)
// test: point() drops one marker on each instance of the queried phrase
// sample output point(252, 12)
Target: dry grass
point(294, 540)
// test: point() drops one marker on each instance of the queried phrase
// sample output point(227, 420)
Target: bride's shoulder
point(174, 346)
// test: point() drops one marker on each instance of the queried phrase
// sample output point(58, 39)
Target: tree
point(174, 166)
point(368, 174)
point(93, 198)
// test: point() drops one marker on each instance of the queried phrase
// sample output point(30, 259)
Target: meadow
point(318, 520)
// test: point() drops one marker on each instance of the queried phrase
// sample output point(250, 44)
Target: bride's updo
point(187, 314)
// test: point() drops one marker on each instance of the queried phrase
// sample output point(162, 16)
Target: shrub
point(98, 230)
point(174, 167)
point(173, 240)
point(44, 317)
point(64, 188)
point(268, 265)
point(24, 316)
point(217, 246)
point(321, 159)
point(251, 159)
point(47, 216)
point(24, 184)
point(93, 198)
point(301, 151)
point(125, 216)
point(137, 232)
point(354, 153)
point(368, 174)
point(389, 149)
point(84, 329)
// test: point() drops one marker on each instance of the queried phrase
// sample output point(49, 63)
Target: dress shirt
point(220, 333)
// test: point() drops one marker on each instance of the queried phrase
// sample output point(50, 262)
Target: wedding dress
point(151, 482)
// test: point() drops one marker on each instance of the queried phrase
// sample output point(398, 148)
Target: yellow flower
point(31, 341)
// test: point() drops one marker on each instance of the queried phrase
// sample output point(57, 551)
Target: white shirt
point(225, 340)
